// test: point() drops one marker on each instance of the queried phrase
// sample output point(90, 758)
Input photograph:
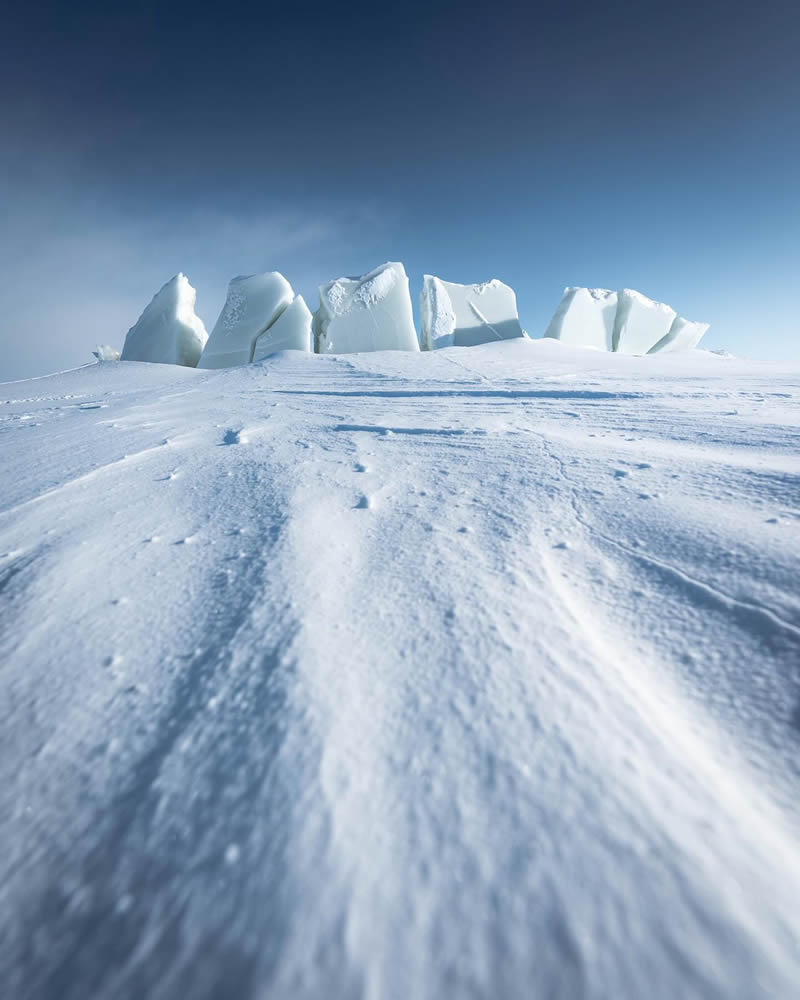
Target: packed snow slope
point(471, 674)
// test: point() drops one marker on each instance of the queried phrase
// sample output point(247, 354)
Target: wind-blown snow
point(453, 675)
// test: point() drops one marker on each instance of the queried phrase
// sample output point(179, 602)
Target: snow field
point(468, 674)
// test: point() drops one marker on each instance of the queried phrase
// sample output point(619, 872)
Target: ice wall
point(640, 322)
point(625, 321)
point(683, 336)
point(291, 331)
point(369, 313)
point(585, 318)
point(454, 315)
point(168, 331)
point(253, 304)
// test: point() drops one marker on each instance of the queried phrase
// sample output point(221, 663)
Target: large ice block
point(585, 318)
point(454, 315)
point(640, 322)
point(370, 313)
point(168, 331)
point(291, 331)
point(253, 304)
point(684, 335)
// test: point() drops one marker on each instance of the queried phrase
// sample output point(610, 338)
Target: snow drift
point(398, 677)
point(168, 331)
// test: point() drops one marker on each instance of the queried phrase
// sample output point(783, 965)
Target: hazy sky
point(650, 145)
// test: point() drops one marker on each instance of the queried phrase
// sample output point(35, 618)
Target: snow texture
point(585, 318)
point(456, 315)
point(683, 336)
point(253, 304)
point(369, 313)
point(168, 331)
point(640, 322)
point(291, 331)
point(465, 675)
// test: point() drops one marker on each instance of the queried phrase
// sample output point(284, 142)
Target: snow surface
point(369, 313)
point(585, 318)
point(640, 323)
point(168, 331)
point(253, 304)
point(456, 315)
point(291, 331)
point(461, 675)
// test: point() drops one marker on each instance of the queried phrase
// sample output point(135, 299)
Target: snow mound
point(291, 331)
point(456, 315)
point(369, 313)
point(168, 331)
point(585, 318)
point(254, 303)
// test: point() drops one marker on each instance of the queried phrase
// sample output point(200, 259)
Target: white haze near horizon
point(78, 269)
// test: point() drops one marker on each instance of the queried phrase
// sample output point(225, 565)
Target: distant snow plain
point(467, 674)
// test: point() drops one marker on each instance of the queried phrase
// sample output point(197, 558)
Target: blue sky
point(647, 145)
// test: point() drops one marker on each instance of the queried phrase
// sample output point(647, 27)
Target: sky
point(645, 145)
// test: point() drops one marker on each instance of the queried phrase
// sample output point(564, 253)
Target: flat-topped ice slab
point(291, 331)
point(683, 335)
point(585, 318)
point(168, 331)
point(369, 313)
point(454, 315)
point(253, 304)
point(640, 322)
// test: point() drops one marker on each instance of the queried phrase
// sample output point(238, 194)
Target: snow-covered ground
point(471, 674)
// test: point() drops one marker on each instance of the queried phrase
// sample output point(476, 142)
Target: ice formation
point(585, 318)
point(683, 336)
point(168, 331)
point(640, 323)
point(104, 352)
point(456, 315)
point(625, 321)
point(291, 331)
point(370, 313)
point(253, 304)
